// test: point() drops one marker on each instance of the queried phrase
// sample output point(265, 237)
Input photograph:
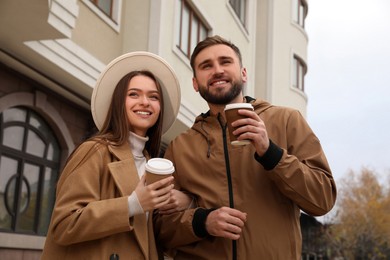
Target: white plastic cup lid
point(238, 105)
point(160, 166)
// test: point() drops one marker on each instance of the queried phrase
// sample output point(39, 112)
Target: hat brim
point(119, 67)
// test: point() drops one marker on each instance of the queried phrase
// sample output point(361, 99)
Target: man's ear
point(244, 75)
point(195, 84)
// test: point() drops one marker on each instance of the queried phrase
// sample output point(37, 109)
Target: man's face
point(219, 76)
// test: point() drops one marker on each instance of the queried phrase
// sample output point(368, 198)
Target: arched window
point(29, 169)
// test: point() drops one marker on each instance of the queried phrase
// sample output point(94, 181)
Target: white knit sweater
point(137, 145)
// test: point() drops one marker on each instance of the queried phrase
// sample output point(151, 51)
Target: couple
point(224, 202)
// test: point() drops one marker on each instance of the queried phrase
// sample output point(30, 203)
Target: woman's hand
point(155, 195)
point(179, 201)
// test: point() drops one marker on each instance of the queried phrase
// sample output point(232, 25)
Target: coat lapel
point(125, 175)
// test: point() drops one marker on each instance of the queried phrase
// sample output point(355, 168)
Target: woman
point(102, 202)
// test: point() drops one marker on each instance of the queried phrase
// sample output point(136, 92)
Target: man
point(248, 198)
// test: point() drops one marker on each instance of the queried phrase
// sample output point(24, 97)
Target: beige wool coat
point(90, 219)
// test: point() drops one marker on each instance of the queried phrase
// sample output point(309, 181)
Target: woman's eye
point(132, 94)
point(155, 97)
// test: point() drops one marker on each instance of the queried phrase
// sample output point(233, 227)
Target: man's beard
point(221, 97)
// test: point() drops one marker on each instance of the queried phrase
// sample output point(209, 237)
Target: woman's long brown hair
point(115, 129)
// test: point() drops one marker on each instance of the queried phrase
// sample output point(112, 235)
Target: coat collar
point(123, 169)
point(125, 175)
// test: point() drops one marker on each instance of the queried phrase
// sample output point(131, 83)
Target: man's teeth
point(219, 82)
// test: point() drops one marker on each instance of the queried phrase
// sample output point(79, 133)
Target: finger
point(232, 228)
point(166, 212)
point(249, 113)
point(246, 129)
point(162, 197)
point(231, 236)
point(235, 213)
point(246, 122)
point(161, 183)
point(161, 201)
point(252, 135)
point(167, 207)
point(165, 191)
point(237, 222)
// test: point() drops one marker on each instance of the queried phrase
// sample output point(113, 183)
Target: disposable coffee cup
point(231, 114)
point(157, 169)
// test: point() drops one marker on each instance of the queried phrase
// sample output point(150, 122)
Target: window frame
point(98, 5)
point(24, 160)
point(240, 9)
point(299, 12)
point(112, 20)
point(299, 69)
point(38, 101)
point(203, 28)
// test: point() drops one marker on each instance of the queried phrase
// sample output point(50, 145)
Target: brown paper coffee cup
point(157, 169)
point(231, 114)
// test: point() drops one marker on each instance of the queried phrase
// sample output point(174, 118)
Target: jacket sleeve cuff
point(199, 222)
point(271, 157)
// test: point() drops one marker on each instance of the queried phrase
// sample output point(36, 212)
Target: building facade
point(51, 54)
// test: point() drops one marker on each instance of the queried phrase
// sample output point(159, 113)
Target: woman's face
point(142, 104)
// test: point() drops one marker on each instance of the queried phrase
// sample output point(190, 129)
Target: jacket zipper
point(230, 187)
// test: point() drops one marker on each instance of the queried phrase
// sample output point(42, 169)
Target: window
point(29, 164)
point(299, 12)
point(108, 10)
point(105, 6)
point(298, 74)
point(191, 28)
point(239, 7)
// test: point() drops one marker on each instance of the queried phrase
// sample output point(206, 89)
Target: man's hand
point(225, 222)
point(252, 128)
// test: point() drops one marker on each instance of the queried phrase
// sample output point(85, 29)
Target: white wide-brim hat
point(124, 64)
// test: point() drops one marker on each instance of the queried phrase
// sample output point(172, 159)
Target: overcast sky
point(348, 82)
